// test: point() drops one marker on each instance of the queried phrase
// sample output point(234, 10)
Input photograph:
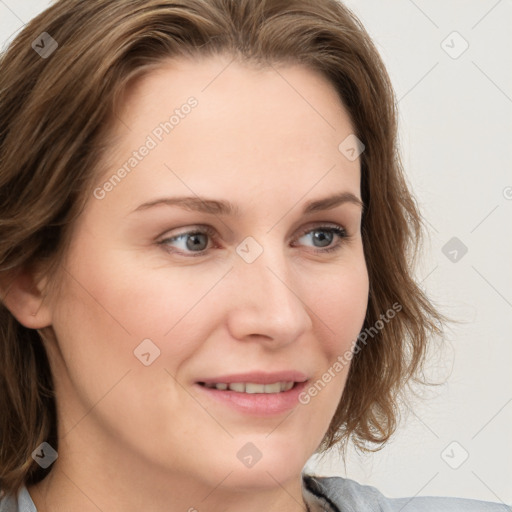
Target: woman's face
point(159, 297)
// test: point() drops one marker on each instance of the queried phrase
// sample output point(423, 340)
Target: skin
point(131, 434)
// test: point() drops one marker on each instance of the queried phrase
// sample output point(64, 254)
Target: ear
point(23, 296)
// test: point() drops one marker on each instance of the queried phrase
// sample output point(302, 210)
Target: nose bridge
point(267, 302)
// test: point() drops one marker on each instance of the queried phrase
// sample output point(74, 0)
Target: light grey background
point(456, 124)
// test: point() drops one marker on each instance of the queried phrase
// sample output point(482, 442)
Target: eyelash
point(207, 230)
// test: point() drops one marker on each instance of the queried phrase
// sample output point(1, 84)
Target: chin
point(261, 477)
point(258, 461)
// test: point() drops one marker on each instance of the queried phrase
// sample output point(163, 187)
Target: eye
point(332, 232)
point(196, 240)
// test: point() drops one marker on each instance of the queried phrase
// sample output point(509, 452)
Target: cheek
point(339, 310)
point(108, 305)
point(127, 296)
point(339, 302)
point(104, 313)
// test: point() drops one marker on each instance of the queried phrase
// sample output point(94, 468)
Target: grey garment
point(336, 494)
point(333, 494)
point(21, 503)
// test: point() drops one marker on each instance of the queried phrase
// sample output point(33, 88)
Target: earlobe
point(25, 299)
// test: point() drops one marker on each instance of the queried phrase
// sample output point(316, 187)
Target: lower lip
point(259, 404)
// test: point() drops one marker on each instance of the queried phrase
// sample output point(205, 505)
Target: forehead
point(264, 128)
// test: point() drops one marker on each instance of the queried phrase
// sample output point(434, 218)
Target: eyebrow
point(221, 207)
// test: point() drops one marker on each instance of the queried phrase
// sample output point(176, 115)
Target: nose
point(265, 301)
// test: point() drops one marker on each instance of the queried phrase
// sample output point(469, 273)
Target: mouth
point(251, 387)
point(255, 394)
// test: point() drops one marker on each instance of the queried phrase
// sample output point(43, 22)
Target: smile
point(251, 387)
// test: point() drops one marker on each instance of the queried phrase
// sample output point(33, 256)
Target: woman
point(143, 372)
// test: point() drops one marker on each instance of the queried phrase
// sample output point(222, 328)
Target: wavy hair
point(55, 116)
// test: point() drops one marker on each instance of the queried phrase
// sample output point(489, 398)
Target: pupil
point(320, 235)
point(195, 243)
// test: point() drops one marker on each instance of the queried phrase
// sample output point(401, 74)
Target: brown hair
point(55, 112)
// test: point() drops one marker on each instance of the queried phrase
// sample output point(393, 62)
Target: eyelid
point(317, 225)
point(198, 228)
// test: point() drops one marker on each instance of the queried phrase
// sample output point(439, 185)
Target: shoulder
point(20, 503)
point(348, 495)
point(8, 503)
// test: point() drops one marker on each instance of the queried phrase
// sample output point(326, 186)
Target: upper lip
point(258, 377)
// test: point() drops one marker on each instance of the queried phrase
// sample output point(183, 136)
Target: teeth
point(237, 386)
point(286, 386)
point(271, 388)
point(251, 387)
